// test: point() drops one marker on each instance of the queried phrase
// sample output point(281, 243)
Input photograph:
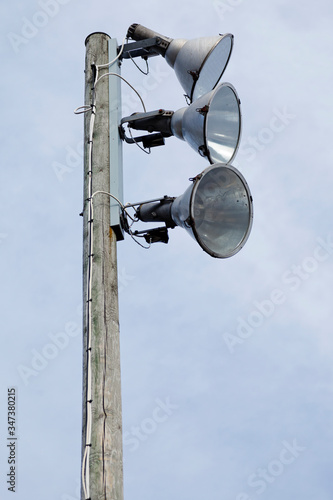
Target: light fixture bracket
point(147, 42)
point(143, 48)
point(157, 235)
point(153, 121)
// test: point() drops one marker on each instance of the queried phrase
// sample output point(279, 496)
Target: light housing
point(211, 125)
point(199, 63)
point(216, 210)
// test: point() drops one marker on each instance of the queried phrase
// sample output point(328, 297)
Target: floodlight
point(211, 125)
point(198, 63)
point(216, 210)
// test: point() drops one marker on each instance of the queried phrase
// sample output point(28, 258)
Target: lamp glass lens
point(213, 67)
point(222, 211)
point(223, 125)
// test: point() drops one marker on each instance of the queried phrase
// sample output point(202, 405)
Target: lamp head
point(199, 63)
point(216, 210)
point(212, 124)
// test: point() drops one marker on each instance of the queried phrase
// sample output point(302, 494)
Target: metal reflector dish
point(217, 210)
point(212, 124)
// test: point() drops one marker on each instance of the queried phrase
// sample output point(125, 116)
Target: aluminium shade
point(217, 210)
point(200, 63)
point(212, 124)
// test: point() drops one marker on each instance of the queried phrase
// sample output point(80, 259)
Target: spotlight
point(211, 125)
point(198, 63)
point(216, 210)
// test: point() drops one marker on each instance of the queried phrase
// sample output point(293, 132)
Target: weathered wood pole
point(102, 455)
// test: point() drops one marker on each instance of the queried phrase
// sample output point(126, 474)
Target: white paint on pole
point(116, 144)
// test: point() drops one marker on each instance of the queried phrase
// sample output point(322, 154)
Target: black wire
point(147, 65)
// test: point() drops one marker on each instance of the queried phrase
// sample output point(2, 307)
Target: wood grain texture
point(106, 460)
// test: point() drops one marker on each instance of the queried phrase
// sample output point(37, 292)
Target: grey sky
point(240, 349)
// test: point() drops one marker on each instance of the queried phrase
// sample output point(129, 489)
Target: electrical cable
point(124, 79)
point(135, 142)
point(138, 242)
point(123, 207)
point(85, 462)
point(116, 58)
point(85, 109)
point(135, 64)
point(124, 211)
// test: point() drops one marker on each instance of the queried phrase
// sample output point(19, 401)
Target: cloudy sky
point(235, 355)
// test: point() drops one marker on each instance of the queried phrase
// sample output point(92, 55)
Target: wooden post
point(102, 460)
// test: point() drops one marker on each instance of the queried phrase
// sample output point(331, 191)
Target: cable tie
point(89, 401)
point(91, 255)
point(89, 300)
point(88, 444)
point(90, 221)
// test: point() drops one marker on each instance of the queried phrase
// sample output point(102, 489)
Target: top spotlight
point(199, 63)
